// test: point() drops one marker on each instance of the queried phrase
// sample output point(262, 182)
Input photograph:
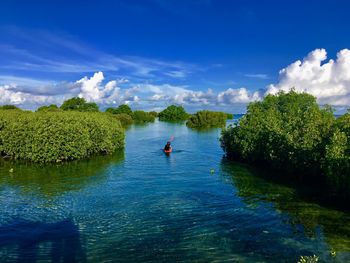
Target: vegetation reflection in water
point(145, 206)
point(56, 179)
point(309, 219)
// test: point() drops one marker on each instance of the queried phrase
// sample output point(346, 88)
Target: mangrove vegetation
point(290, 132)
point(173, 113)
point(207, 119)
point(58, 136)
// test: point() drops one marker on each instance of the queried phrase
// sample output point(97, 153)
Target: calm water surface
point(144, 206)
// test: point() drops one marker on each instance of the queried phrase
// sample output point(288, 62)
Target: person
point(167, 147)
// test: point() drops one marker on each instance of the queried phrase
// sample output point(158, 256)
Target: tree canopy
point(290, 132)
point(207, 119)
point(173, 113)
point(79, 104)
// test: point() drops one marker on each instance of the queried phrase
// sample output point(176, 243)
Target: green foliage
point(337, 159)
point(9, 107)
point(51, 107)
point(288, 132)
point(308, 259)
point(125, 109)
point(173, 113)
point(207, 119)
point(229, 116)
point(79, 104)
point(124, 119)
point(154, 113)
point(142, 116)
point(58, 136)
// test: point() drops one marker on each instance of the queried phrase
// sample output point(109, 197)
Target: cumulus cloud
point(329, 81)
point(241, 95)
point(95, 89)
point(90, 88)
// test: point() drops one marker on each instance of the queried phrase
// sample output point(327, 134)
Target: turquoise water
point(144, 206)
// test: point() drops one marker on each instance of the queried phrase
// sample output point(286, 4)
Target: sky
point(202, 54)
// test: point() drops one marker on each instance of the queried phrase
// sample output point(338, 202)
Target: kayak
point(168, 151)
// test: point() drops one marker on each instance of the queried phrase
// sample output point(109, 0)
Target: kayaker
point(167, 147)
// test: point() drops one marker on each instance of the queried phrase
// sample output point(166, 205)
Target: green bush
point(58, 136)
point(154, 113)
point(125, 109)
point(142, 116)
point(51, 107)
point(79, 104)
point(124, 119)
point(229, 116)
point(173, 113)
point(9, 107)
point(337, 159)
point(288, 132)
point(207, 119)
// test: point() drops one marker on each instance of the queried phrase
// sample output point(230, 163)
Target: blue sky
point(200, 53)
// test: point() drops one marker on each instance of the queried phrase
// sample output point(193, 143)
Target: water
point(144, 206)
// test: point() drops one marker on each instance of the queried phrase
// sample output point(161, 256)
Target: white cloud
point(329, 81)
point(9, 96)
point(241, 95)
point(90, 87)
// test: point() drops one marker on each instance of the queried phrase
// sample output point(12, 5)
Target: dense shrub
point(125, 109)
point(288, 131)
point(142, 116)
point(124, 119)
point(173, 113)
point(337, 159)
point(229, 116)
point(9, 107)
point(207, 119)
point(51, 107)
point(58, 136)
point(154, 113)
point(79, 104)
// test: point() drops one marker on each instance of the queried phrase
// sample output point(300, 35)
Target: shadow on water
point(56, 179)
point(308, 218)
point(27, 241)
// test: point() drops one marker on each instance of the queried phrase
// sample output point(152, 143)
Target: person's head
point(168, 143)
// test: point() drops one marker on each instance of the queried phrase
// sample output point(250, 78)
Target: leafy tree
point(79, 104)
point(125, 109)
point(142, 116)
point(337, 159)
point(154, 113)
point(207, 119)
point(173, 113)
point(288, 131)
point(229, 116)
point(9, 107)
point(51, 107)
point(124, 119)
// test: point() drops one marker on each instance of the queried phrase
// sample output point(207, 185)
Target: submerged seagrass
point(58, 136)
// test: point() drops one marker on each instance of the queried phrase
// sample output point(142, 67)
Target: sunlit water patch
point(144, 206)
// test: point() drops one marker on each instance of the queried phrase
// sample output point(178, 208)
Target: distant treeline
point(199, 120)
point(77, 129)
point(123, 113)
point(290, 132)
